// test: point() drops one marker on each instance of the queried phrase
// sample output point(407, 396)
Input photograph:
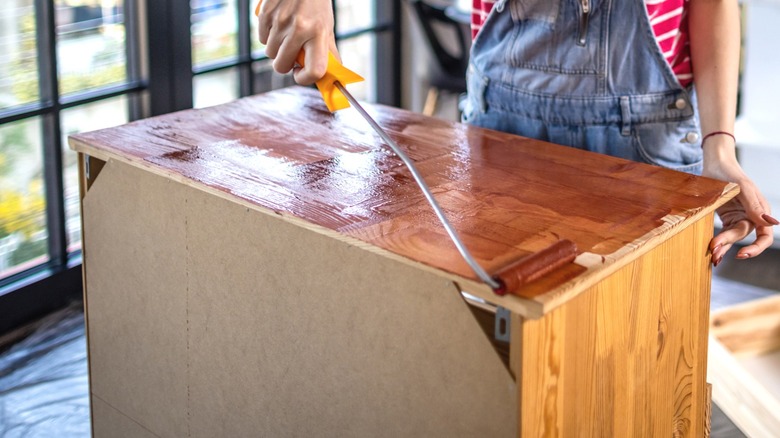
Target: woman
point(590, 74)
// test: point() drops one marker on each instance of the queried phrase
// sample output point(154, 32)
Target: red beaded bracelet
point(718, 133)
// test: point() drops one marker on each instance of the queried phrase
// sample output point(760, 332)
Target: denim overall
point(582, 73)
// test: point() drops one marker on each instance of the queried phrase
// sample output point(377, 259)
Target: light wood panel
point(748, 329)
point(627, 357)
point(744, 364)
point(742, 395)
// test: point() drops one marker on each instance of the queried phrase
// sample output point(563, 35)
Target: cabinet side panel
point(295, 333)
point(628, 356)
point(211, 319)
point(109, 422)
point(134, 258)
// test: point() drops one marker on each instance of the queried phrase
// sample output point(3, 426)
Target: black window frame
point(51, 285)
point(158, 56)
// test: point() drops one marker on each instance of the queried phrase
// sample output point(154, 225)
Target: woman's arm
point(714, 39)
point(289, 26)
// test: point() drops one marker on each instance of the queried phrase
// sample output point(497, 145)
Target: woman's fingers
point(290, 26)
point(764, 239)
point(755, 205)
point(731, 234)
point(737, 225)
point(315, 62)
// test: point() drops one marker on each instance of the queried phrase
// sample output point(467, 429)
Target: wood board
point(749, 329)
point(634, 346)
point(744, 365)
point(283, 153)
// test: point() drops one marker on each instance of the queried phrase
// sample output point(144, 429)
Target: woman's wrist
point(720, 158)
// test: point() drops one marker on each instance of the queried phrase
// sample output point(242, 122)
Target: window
point(23, 234)
point(228, 60)
point(70, 66)
point(65, 67)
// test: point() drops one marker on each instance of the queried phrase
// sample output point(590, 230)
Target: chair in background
point(448, 71)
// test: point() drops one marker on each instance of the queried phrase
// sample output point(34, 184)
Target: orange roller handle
point(513, 276)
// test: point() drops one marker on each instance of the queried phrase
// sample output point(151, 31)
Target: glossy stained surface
point(507, 196)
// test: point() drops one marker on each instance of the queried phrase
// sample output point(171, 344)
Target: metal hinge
point(86, 166)
point(503, 324)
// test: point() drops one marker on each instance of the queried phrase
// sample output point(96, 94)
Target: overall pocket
point(675, 144)
point(559, 36)
point(546, 11)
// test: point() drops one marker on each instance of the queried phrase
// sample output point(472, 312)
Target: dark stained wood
point(506, 195)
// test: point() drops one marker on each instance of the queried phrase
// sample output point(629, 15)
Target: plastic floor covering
point(44, 388)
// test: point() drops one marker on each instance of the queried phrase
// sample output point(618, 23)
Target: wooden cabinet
point(266, 268)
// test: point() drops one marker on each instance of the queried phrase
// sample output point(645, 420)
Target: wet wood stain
point(507, 196)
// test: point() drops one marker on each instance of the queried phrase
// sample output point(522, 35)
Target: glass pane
point(18, 60)
point(358, 55)
point(257, 47)
point(354, 14)
point(90, 44)
point(23, 235)
point(89, 117)
point(266, 79)
point(211, 89)
point(214, 31)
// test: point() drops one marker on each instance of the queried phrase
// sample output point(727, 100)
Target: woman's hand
point(289, 26)
point(741, 215)
point(715, 42)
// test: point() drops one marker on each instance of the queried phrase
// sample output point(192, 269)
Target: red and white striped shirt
point(669, 19)
point(479, 13)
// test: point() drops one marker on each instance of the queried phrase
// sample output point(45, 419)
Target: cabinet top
point(283, 153)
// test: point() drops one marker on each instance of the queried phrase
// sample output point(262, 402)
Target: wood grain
point(748, 329)
point(283, 153)
point(627, 357)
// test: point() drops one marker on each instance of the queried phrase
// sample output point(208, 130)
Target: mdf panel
point(248, 325)
point(627, 357)
point(107, 421)
point(136, 296)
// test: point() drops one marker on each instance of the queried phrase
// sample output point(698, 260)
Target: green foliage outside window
point(21, 211)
